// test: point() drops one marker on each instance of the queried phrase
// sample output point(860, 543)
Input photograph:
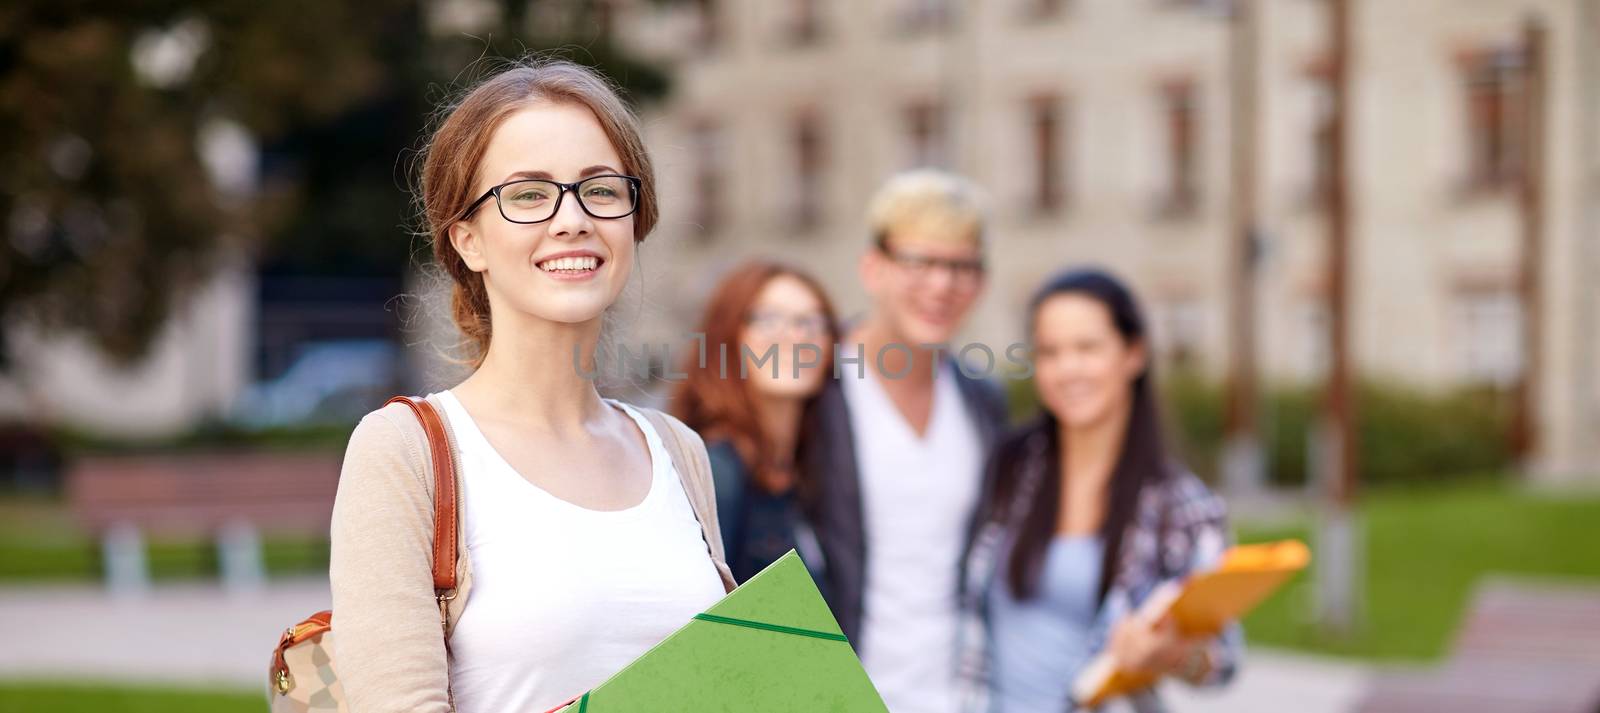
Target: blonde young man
point(896, 443)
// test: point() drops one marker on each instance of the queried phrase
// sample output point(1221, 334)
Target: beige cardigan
point(389, 650)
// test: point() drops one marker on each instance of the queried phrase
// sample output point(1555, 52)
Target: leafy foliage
point(1406, 435)
point(110, 214)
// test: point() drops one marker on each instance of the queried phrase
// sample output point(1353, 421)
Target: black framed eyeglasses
point(536, 200)
point(965, 273)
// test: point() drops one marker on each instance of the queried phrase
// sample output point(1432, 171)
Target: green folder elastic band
point(771, 627)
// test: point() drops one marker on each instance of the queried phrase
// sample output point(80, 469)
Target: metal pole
point(1339, 571)
point(1340, 397)
point(1242, 461)
point(1586, 404)
point(1526, 440)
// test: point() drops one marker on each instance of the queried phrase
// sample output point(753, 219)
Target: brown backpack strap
point(444, 492)
point(445, 551)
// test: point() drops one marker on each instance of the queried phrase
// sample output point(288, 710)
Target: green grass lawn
point(39, 541)
point(96, 698)
point(80, 559)
point(1425, 551)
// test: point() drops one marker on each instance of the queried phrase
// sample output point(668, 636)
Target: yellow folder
point(1201, 605)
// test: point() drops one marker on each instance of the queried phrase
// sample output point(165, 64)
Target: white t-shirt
point(564, 596)
point(917, 497)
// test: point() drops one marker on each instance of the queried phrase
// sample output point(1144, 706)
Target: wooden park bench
point(231, 498)
point(1525, 648)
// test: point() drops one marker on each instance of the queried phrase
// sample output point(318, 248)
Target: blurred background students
point(750, 412)
point(1085, 513)
point(896, 443)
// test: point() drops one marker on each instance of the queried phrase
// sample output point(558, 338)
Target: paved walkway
point(1276, 681)
point(188, 634)
point(199, 635)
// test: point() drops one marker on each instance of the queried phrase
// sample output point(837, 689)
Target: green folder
point(771, 646)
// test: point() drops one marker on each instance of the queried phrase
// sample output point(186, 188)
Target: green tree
point(110, 216)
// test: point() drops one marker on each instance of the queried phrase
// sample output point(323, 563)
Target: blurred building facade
point(195, 369)
point(1101, 131)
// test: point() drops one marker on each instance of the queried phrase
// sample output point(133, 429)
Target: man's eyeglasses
point(536, 200)
point(965, 273)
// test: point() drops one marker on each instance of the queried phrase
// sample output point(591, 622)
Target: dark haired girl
point(1085, 513)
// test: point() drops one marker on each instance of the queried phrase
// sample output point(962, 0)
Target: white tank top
point(563, 596)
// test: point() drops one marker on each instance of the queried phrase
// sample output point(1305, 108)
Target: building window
point(1046, 126)
point(1181, 142)
point(705, 139)
point(1319, 97)
point(707, 25)
point(1315, 346)
point(804, 26)
point(1219, 7)
point(1181, 323)
point(604, 15)
point(918, 16)
point(926, 134)
point(1031, 10)
point(1493, 89)
point(810, 158)
point(1487, 325)
point(1322, 147)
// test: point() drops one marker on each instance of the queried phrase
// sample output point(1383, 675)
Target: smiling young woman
point(588, 530)
point(1085, 513)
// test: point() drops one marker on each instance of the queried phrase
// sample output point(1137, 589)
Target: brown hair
point(452, 155)
point(721, 407)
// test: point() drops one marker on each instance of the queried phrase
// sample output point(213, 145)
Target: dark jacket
point(758, 527)
point(827, 461)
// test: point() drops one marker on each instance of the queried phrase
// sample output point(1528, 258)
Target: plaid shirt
point(1179, 527)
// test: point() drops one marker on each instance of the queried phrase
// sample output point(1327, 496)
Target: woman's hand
point(1158, 648)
